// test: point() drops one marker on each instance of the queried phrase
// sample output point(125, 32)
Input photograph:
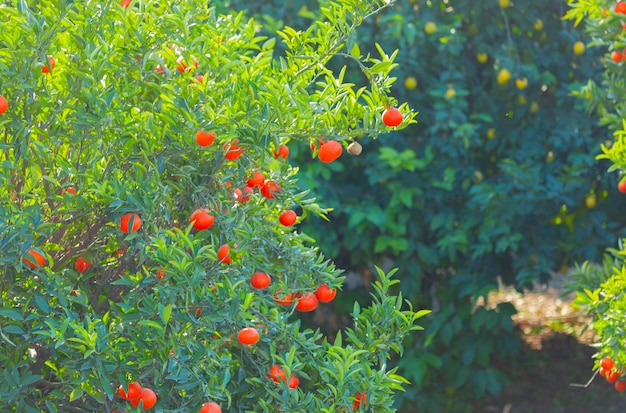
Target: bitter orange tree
point(140, 192)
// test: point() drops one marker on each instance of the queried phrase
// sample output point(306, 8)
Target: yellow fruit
point(504, 76)
point(482, 58)
point(504, 3)
point(410, 83)
point(590, 201)
point(549, 157)
point(521, 83)
point(534, 107)
point(450, 93)
point(491, 133)
point(538, 25)
point(579, 48)
point(430, 28)
point(478, 177)
point(521, 100)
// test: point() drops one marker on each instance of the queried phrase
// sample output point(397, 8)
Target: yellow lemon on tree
point(579, 48)
point(590, 201)
point(534, 107)
point(450, 93)
point(538, 25)
point(410, 83)
point(430, 28)
point(504, 76)
point(478, 177)
point(482, 58)
point(491, 133)
point(549, 157)
point(504, 3)
point(521, 83)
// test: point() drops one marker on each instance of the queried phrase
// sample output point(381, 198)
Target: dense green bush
point(601, 286)
point(164, 110)
point(498, 178)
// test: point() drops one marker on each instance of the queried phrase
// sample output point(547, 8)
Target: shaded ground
point(555, 356)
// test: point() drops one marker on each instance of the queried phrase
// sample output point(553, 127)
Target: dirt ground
point(556, 360)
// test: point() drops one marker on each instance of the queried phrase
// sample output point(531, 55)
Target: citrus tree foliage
point(498, 178)
point(140, 192)
point(601, 287)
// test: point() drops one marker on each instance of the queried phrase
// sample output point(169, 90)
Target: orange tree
point(601, 286)
point(497, 179)
point(148, 256)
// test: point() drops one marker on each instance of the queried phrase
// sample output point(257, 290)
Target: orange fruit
point(34, 258)
point(306, 302)
point(287, 218)
point(204, 138)
point(248, 336)
point(256, 180)
point(360, 397)
point(277, 373)
point(126, 220)
point(325, 294)
point(223, 254)
point(233, 151)
point(4, 104)
point(47, 68)
point(282, 152)
point(210, 407)
point(270, 189)
point(392, 117)
point(125, 3)
point(294, 382)
point(148, 399)
point(329, 151)
point(201, 219)
point(285, 299)
point(260, 280)
point(134, 391)
point(82, 265)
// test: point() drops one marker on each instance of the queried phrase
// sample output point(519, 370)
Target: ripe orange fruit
point(233, 151)
point(325, 294)
point(204, 138)
point(306, 302)
point(269, 189)
point(329, 151)
point(285, 299)
point(82, 265)
point(360, 397)
point(223, 254)
point(607, 363)
point(612, 376)
point(201, 219)
point(125, 3)
point(148, 399)
point(294, 382)
point(248, 336)
point(616, 56)
point(127, 219)
point(47, 68)
point(182, 66)
point(134, 391)
point(161, 273)
point(4, 104)
point(277, 373)
point(257, 180)
point(210, 407)
point(620, 386)
point(34, 259)
point(282, 152)
point(287, 218)
point(392, 117)
point(620, 7)
point(69, 190)
point(260, 280)
point(622, 187)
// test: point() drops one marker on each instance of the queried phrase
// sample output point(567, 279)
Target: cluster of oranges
point(611, 374)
